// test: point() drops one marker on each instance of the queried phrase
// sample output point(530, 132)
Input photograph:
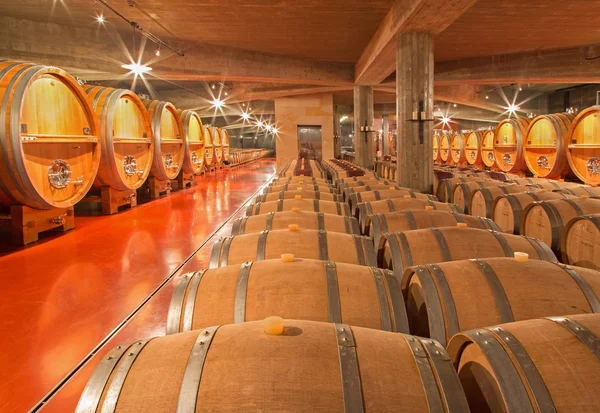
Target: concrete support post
point(414, 107)
point(363, 111)
point(385, 121)
point(337, 132)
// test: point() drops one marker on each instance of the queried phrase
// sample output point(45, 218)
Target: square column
point(337, 132)
point(363, 111)
point(414, 107)
point(386, 130)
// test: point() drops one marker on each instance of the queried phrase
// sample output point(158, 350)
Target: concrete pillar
point(386, 130)
point(363, 111)
point(337, 132)
point(414, 107)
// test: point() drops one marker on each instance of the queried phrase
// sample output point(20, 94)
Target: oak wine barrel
point(445, 155)
point(546, 220)
point(226, 144)
point(487, 149)
point(482, 199)
point(507, 210)
point(509, 144)
point(580, 241)
point(542, 365)
point(400, 250)
point(297, 186)
point(380, 185)
point(50, 149)
point(297, 289)
point(304, 220)
point(390, 193)
point(555, 185)
point(445, 186)
point(582, 191)
point(349, 186)
point(500, 290)
point(436, 148)
point(193, 132)
point(217, 145)
point(354, 179)
point(291, 366)
point(397, 205)
point(169, 145)
point(291, 194)
point(209, 147)
point(302, 243)
point(409, 220)
point(583, 145)
point(457, 149)
point(462, 192)
point(299, 179)
point(315, 205)
point(125, 138)
point(545, 146)
point(473, 146)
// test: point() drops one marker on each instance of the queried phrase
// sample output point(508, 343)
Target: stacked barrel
point(367, 296)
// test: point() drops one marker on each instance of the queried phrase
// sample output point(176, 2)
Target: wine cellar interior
point(300, 206)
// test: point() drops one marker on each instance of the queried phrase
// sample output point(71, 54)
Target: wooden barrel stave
point(508, 145)
point(193, 133)
point(304, 220)
point(49, 128)
point(487, 149)
point(544, 365)
point(545, 146)
point(500, 290)
point(314, 205)
point(579, 243)
point(400, 250)
point(301, 290)
point(303, 243)
point(583, 144)
point(457, 149)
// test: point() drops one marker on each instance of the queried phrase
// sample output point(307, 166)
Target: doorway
point(310, 142)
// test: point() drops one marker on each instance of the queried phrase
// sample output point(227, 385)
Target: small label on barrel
point(144, 135)
point(23, 128)
point(87, 131)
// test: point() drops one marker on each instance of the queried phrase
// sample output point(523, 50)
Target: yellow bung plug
point(300, 182)
point(298, 197)
point(584, 196)
point(273, 325)
point(287, 257)
point(407, 196)
point(293, 227)
point(461, 224)
point(521, 256)
point(295, 209)
point(299, 188)
point(392, 188)
point(429, 208)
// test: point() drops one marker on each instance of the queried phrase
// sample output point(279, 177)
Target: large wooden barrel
point(420, 219)
point(397, 205)
point(302, 243)
point(546, 146)
point(297, 186)
point(473, 143)
point(126, 142)
point(304, 219)
point(457, 149)
point(390, 193)
point(580, 243)
point(50, 151)
point(445, 148)
point(541, 365)
point(291, 194)
point(507, 210)
point(555, 185)
point(217, 146)
point(500, 290)
point(314, 205)
point(226, 144)
point(209, 148)
point(482, 199)
point(462, 192)
point(509, 145)
point(400, 250)
point(546, 220)
point(302, 366)
point(583, 145)
point(436, 148)
point(446, 186)
point(193, 132)
point(487, 149)
point(301, 289)
point(169, 146)
point(582, 191)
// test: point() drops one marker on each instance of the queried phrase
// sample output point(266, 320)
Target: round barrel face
point(132, 144)
point(457, 148)
point(436, 147)
point(225, 142)
point(505, 146)
point(581, 244)
point(209, 150)
point(195, 143)
point(487, 149)
point(217, 145)
point(584, 146)
point(171, 142)
point(537, 225)
point(472, 148)
point(59, 140)
point(444, 148)
point(540, 148)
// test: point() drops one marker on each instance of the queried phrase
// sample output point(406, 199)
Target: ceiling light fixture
point(259, 124)
point(157, 52)
point(455, 105)
point(100, 19)
point(275, 131)
point(137, 69)
point(446, 120)
point(245, 115)
point(213, 86)
point(487, 97)
point(217, 103)
point(512, 108)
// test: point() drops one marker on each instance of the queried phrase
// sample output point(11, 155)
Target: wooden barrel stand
point(27, 223)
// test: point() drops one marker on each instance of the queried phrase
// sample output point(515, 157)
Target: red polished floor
point(63, 297)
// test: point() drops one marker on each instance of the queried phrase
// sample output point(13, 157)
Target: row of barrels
point(241, 156)
point(549, 146)
point(337, 169)
point(61, 138)
point(301, 167)
point(354, 337)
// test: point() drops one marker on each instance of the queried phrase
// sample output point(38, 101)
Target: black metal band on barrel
point(359, 249)
point(225, 254)
point(377, 195)
point(235, 230)
point(584, 334)
point(576, 207)
point(188, 310)
point(506, 374)
point(241, 290)
point(488, 200)
point(443, 245)
point(430, 385)
point(176, 306)
point(250, 210)
point(188, 392)
point(391, 205)
point(508, 252)
point(500, 298)
point(333, 292)
point(316, 205)
point(279, 205)
point(269, 223)
point(585, 288)
point(347, 211)
point(261, 245)
point(323, 250)
point(215, 254)
point(556, 222)
point(384, 308)
point(350, 374)
point(538, 248)
point(397, 300)
point(369, 249)
point(410, 219)
point(444, 291)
